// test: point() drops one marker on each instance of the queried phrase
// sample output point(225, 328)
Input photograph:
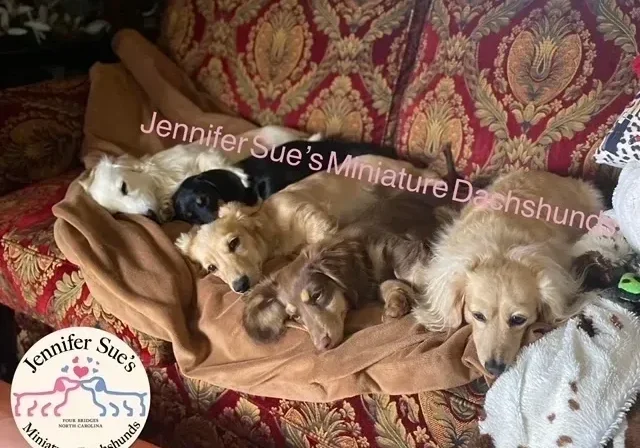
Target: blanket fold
point(132, 268)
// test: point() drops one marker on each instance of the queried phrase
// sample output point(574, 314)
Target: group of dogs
point(354, 242)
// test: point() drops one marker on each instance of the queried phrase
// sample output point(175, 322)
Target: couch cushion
point(188, 412)
point(328, 66)
point(40, 130)
point(37, 279)
point(518, 83)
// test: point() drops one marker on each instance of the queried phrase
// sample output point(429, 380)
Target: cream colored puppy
point(501, 271)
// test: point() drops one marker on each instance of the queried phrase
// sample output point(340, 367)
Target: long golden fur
point(372, 259)
point(236, 245)
point(501, 272)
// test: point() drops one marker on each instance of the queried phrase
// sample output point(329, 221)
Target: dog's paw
point(397, 304)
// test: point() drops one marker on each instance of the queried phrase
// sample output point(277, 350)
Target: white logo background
point(89, 390)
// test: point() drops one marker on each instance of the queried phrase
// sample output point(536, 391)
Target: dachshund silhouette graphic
point(114, 400)
point(48, 400)
point(103, 398)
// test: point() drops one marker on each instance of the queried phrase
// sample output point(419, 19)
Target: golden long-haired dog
point(373, 259)
point(501, 271)
point(237, 244)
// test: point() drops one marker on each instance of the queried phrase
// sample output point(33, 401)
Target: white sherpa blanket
point(626, 203)
point(571, 388)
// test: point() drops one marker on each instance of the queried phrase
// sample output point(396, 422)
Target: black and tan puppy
point(198, 198)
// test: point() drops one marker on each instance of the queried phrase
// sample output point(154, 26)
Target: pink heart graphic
point(80, 371)
point(75, 360)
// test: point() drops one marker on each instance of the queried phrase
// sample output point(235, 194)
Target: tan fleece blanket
point(133, 269)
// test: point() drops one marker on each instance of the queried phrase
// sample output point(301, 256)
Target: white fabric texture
point(626, 203)
point(569, 388)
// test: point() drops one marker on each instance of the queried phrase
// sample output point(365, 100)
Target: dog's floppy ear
point(264, 318)
point(185, 240)
point(558, 293)
point(346, 262)
point(557, 286)
point(441, 305)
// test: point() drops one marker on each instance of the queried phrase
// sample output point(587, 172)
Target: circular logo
point(80, 388)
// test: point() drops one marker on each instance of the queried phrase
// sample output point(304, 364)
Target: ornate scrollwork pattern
point(279, 61)
point(524, 74)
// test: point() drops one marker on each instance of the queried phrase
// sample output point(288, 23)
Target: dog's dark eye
point(295, 317)
point(317, 298)
point(516, 321)
point(479, 317)
point(233, 244)
point(201, 201)
point(124, 189)
point(211, 268)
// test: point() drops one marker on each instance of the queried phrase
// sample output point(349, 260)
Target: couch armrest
point(40, 130)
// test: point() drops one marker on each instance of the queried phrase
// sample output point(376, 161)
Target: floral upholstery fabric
point(37, 279)
point(191, 414)
point(40, 130)
point(509, 84)
point(519, 83)
point(328, 65)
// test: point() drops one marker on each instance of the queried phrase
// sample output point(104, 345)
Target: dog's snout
point(495, 367)
point(324, 343)
point(241, 284)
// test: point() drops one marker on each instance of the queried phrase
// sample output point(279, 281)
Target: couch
point(509, 84)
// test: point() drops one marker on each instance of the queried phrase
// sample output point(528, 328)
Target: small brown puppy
point(373, 259)
point(236, 245)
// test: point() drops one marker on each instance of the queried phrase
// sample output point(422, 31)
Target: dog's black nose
point(495, 367)
point(241, 284)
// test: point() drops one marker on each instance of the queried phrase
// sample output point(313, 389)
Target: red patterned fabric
point(37, 279)
point(331, 66)
point(191, 414)
point(436, 419)
point(40, 130)
point(508, 83)
point(518, 84)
